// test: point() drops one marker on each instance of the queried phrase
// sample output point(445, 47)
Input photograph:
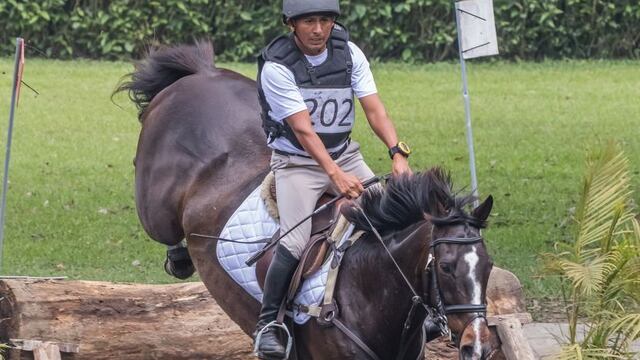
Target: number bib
point(331, 109)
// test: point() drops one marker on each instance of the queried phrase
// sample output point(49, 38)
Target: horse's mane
point(406, 199)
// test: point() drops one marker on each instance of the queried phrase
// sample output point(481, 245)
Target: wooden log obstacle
point(60, 319)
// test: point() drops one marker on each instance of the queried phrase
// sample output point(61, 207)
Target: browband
point(454, 240)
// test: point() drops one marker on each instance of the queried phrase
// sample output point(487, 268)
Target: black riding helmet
point(295, 8)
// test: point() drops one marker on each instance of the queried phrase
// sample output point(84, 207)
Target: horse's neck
point(372, 289)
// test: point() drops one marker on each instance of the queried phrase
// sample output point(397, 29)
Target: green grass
point(71, 209)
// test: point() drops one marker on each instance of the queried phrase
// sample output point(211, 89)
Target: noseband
point(480, 310)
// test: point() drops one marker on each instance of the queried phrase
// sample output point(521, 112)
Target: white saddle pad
point(251, 222)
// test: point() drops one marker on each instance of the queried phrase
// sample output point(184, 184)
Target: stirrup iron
point(276, 324)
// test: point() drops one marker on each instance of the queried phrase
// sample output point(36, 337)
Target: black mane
point(407, 198)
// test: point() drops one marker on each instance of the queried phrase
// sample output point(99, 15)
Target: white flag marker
point(478, 29)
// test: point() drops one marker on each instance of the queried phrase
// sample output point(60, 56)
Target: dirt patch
point(547, 309)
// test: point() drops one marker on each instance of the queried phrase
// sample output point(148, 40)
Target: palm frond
point(628, 325)
point(576, 352)
point(606, 193)
point(636, 232)
point(3, 348)
point(589, 276)
point(602, 263)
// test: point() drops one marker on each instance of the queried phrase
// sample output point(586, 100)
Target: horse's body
point(202, 151)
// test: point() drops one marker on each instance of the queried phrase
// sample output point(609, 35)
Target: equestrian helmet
point(295, 8)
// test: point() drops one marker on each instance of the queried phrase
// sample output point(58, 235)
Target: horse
point(201, 151)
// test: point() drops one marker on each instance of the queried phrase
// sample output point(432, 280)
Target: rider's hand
point(347, 184)
point(400, 165)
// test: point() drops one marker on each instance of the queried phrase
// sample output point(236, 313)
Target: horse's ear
point(483, 210)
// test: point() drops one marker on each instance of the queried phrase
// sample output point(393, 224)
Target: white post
point(467, 113)
point(14, 99)
point(476, 38)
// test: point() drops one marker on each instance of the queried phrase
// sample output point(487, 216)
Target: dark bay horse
point(202, 150)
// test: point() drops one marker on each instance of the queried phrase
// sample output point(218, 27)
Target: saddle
point(323, 225)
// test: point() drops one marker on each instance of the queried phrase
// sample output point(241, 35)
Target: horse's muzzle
point(469, 352)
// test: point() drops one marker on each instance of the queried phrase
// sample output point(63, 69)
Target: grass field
point(71, 209)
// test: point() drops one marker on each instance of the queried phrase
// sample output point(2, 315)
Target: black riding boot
point(276, 285)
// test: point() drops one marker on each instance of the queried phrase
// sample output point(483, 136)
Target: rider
point(307, 81)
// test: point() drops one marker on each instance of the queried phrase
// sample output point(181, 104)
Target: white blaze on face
point(472, 261)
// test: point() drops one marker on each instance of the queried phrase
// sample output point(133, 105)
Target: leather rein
point(437, 313)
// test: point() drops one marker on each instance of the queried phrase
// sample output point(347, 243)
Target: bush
point(407, 30)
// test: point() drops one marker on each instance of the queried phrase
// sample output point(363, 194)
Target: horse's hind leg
point(167, 230)
point(178, 262)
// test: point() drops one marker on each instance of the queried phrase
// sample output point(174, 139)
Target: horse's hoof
point(178, 263)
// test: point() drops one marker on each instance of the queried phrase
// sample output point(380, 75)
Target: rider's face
point(312, 32)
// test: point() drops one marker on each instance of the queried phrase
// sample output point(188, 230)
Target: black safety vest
point(326, 88)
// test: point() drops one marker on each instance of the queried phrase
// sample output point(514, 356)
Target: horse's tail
point(162, 67)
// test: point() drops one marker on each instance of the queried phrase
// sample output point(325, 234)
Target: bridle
point(479, 310)
point(438, 313)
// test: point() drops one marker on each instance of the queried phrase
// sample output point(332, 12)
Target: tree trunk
point(117, 321)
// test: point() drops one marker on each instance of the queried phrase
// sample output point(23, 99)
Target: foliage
point(601, 266)
point(101, 28)
point(3, 348)
point(407, 30)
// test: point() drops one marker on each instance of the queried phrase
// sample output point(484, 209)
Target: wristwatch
point(402, 148)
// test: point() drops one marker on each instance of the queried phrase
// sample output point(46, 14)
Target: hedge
point(406, 30)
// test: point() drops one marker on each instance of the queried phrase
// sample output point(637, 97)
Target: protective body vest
point(326, 88)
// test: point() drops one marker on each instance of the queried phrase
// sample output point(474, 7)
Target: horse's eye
point(446, 268)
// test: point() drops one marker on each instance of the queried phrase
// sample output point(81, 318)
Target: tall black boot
point(276, 284)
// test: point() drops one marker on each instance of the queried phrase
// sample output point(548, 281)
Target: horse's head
point(437, 246)
point(457, 276)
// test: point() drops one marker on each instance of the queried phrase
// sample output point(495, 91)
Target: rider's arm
point(379, 120)
point(365, 89)
point(300, 123)
point(383, 127)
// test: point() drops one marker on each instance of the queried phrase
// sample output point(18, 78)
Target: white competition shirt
point(284, 96)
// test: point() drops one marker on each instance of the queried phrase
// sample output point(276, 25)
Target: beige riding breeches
point(300, 182)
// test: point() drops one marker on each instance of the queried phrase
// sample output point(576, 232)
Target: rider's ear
point(483, 210)
point(290, 24)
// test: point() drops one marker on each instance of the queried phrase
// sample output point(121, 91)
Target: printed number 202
point(329, 111)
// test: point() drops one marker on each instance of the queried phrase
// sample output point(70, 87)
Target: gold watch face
point(404, 147)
